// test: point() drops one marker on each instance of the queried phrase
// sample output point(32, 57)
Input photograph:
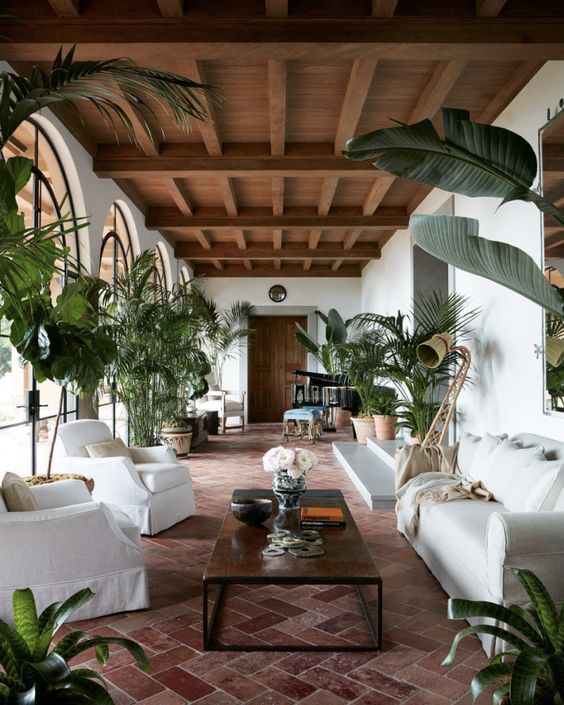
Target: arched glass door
point(28, 409)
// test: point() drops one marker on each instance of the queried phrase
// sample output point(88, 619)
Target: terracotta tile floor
point(416, 630)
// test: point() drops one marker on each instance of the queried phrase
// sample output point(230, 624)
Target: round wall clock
point(277, 293)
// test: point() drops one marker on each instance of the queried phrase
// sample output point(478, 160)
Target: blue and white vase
point(288, 491)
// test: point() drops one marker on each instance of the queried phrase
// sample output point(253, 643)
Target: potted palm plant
point(385, 414)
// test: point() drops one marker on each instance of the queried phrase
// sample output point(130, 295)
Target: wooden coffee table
point(237, 560)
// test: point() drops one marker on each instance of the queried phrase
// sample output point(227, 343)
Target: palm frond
point(112, 85)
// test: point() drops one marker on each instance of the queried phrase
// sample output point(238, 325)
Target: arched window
point(161, 269)
point(117, 251)
point(116, 256)
point(27, 408)
point(184, 277)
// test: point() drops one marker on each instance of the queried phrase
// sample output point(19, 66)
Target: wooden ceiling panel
point(244, 87)
point(314, 98)
point(266, 175)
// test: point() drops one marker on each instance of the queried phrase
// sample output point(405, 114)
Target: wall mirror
point(551, 150)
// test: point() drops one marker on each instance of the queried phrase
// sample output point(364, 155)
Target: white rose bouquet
point(289, 461)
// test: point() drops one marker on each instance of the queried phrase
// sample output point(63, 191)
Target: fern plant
point(531, 671)
point(36, 673)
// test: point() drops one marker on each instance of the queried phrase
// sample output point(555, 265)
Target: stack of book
point(322, 518)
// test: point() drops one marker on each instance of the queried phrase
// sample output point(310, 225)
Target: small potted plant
point(385, 415)
point(176, 434)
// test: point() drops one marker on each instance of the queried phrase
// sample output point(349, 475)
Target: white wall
point(507, 393)
point(304, 295)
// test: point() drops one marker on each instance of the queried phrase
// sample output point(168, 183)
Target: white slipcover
point(150, 487)
point(227, 402)
point(468, 545)
point(71, 543)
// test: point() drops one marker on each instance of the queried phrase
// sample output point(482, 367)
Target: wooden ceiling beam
point(489, 8)
point(241, 240)
point(217, 264)
point(208, 128)
point(383, 8)
point(257, 251)
point(277, 105)
point(351, 238)
point(179, 192)
point(288, 38)
point(248, 265)
point(277, 239)
point(378, 190)
point(260, 218)
point(203, 239)
point(277, 265)
point(184, 161)
point(278, 195)
point(307, 264)
point(358, 86)
point(336, 264)
point(296, 270)
point(328, 188)
point(435, 93)
point(65, 8)
point(314, 238)
point(227, 191)
point(522, 76)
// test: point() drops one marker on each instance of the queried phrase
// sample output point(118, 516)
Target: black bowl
point(251, 511)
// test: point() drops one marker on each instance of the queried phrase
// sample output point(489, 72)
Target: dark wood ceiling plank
point(522, 76)
point(276, 8)
point(314, 237)
point(328, 188)
point(358, 86)
point(179, 193)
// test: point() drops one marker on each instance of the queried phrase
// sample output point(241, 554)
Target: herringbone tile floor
point(416, 629)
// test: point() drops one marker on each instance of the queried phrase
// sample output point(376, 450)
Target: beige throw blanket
point(427, 475)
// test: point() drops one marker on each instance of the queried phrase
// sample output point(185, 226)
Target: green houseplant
point(36, 672)
point(338, 332)
point(419, 388)
point(385, 414)
point(531, 670)
point(473, 160)
point(160, 348)
point(62, 339)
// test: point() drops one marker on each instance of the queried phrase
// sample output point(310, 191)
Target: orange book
point(322, 516)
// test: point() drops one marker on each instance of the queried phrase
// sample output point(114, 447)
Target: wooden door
point(274, 353)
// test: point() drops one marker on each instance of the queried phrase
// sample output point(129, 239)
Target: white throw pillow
point(514, 472)
point(547, 494)
point(466, 449)
point(108, 449)
point(483, 458)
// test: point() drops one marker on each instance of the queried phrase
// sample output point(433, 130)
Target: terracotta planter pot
point(42, 480)
point(343, 419)
point(179, 442)
point(364, 427)
point(385, 427)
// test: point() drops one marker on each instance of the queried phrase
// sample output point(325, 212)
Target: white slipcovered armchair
point(227, 402)
point(70, 543)
point(150, 486)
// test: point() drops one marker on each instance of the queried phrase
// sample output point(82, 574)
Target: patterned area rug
point(416, 630)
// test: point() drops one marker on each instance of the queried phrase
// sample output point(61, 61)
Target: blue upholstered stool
point(307, 420)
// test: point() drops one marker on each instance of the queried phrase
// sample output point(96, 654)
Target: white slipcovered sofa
point(150, 486)
point(468, 544)
point(70, 543)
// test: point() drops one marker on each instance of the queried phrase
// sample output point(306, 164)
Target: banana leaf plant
point(36, 672)
point(473, 160)
point(330, 354)
point(531, 670)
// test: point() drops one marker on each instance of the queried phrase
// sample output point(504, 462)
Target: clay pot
point(364, 427)
point(179, 442)
point(343, 419)
point(385, 427)
point(42, 480)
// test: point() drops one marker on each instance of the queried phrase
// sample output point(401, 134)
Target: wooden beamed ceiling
point(261, 188)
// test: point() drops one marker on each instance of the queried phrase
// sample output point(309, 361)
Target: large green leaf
point(336, 330)
point(53, 669)
point(59, 616)
point(473, 160)
point(542, 602)
point(25, 616)
point(455, 240)
point(490, 629)
point(526, 670)
point(488, 676)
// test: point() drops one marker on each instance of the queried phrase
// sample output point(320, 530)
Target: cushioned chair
point(228, 403)
point(70, 543)
point(150, 486)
